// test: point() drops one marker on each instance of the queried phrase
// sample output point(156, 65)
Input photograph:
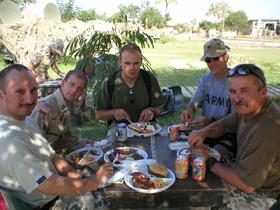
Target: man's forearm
point(64, 168)
point(231, 176)
point(214, 130)
point(156, 110)
point(105, 114)
point(64, 186)
point(190, 106)
point(55, 69)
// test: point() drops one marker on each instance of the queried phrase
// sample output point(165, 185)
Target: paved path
point(273, 91)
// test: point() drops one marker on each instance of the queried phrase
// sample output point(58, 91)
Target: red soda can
point(198, 169)
point(182, 164)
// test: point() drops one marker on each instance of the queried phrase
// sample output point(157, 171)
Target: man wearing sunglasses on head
point(130, 94)
point(212, 96)
point(256, 121)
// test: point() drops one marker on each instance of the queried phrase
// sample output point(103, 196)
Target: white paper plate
point(97, 156)
point(169, 180)
point(139, 151)
point(157, 130)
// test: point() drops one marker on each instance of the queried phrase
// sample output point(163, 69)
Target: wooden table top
point(182, 193)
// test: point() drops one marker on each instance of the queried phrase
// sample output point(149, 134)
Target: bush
point(166, 39)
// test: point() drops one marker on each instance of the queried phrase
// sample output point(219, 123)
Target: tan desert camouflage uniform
point(239, 200)
point(85, 201)
point(53, 115)
point(44, 59)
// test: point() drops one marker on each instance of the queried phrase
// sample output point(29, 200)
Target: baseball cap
point(214, 48)
point(57, 47)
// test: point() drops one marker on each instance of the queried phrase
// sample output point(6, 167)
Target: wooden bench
point(273, 90)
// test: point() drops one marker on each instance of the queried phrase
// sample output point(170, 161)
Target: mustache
point(28, 105)
point(240, 103)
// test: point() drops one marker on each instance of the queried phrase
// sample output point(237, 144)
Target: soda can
point(198, 169)
point(182, 166)
point(122, 133)
point(184, 152)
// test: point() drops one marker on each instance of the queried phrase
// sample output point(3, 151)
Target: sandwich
point(158, 170)
point(136, 128)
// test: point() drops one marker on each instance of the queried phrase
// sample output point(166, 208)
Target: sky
point(184, 11)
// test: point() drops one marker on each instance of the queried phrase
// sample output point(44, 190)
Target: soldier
point(55, 112)
point(29, 168)
point(131, 94)
point(256, 122)
point(46, 57)
point(212, 96)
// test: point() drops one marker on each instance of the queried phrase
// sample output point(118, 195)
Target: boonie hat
point(214, 48)
point(57, 47)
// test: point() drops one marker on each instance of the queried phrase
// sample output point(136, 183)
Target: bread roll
point(158, 170)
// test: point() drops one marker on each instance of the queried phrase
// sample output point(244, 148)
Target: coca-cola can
point(198, 169)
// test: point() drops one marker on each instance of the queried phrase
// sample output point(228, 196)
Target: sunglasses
point(131, 96)
point(209, 60)
point(244, 72)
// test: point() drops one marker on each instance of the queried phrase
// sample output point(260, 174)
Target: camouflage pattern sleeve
point(41, 115)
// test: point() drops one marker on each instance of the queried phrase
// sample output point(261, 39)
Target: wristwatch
point(210, 163)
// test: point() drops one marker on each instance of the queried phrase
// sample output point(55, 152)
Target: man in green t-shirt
point(256, 123)
point(130, 99)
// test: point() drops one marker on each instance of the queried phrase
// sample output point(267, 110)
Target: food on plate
point(144, 128)
point(136, 128)
point(159, 183)
point(143, 181)
point(184, 127)
point(174, 134)
point(125, 150)
point(148, 131)
point(80, 156)
point(93, 152)
point(86, 159)
point(124, 153)
point(158, 170)
point(179, 132)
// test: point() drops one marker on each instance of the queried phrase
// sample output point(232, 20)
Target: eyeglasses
point(209, 60)
point(244, 72)
point(131, 96)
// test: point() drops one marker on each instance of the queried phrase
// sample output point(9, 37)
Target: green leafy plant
point(99, 45)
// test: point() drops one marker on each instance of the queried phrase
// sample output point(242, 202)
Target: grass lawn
point(185, 56)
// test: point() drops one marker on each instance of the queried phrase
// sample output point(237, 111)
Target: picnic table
point(182, 194)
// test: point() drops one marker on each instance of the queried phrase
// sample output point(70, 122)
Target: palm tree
point(220, 11)
point(167, 3)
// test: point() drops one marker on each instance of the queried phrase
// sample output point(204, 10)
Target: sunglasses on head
point(243, 72)
point(131, 96)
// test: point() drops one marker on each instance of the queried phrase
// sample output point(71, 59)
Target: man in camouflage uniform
point(46, 57)
point(54, 112)
point(30, 170)
point(254, 176)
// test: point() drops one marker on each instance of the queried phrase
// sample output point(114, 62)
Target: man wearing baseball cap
point(46, 57)
point(212, 94)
